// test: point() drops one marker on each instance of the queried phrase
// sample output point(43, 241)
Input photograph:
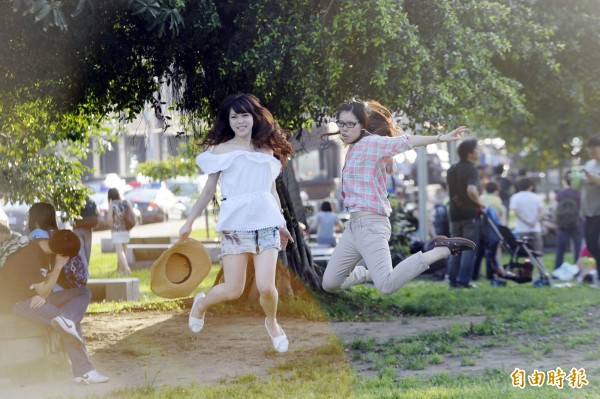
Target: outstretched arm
point(419, 141)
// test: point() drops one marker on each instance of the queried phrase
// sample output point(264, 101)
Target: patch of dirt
point(156, 348)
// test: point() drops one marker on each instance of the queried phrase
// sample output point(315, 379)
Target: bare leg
point(234, 274)
point(265, 265)
point(122, 266)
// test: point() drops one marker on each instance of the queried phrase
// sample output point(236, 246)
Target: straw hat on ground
point(179, 270)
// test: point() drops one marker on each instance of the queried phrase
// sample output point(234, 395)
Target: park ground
point(155, 348)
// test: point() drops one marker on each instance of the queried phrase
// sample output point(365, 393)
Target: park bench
point(320, 254)
point(24, 342)
point(114, 289)
point(143, 251)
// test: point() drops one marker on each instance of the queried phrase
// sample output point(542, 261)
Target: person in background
point(440, 220)
point(505, 185)
point(568, 222)
point(118, 232)
point(465, 208)
point(590, 200)
point(42, 224)
point(83, 226)
point(497, 214)
point(3, 217)
point(326, 224)
point(586, 265)
point(369, 130)
point(6, 233)
point(244, 145)
point(529, 211)
point(41, 219)
point(26, 290)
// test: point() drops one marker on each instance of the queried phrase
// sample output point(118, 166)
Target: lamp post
point(422, 182)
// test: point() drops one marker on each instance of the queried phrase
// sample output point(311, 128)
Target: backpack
point(89, 215)
point(566, 215)
point(440, 220)
point(76, 272)
point(128, 216)
point(10, 246)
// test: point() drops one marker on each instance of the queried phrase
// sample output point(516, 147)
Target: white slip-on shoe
point(92, 377)
point(66, 327)
point(280, 343)
point(195, 324)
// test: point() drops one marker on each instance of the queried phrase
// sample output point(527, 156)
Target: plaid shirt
point(364, 173)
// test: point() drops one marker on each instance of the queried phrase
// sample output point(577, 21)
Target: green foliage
point(528, 68)
point(563, 97)
point(182, 164)
point(39, 154)
point(402, 228)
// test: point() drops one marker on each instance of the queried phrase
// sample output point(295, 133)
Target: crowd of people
point(43, 277)
point(475, 199)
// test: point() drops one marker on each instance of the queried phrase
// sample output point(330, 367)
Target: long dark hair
point(372, 116)
point(266, 132)
point(42, 215)
point(114, 194)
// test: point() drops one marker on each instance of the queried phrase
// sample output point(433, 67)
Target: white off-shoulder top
point(246, 180)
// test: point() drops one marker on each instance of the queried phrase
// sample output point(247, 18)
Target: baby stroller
point(518, 270)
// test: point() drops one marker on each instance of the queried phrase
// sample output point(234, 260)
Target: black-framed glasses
point(349, 125)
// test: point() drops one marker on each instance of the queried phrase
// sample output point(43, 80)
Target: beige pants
point(367, 238)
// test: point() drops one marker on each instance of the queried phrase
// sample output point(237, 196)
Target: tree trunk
point(298, 256)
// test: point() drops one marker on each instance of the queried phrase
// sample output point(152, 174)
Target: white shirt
point(3, 217)
point(246, 180)
point(590, 195)
point(528, 204)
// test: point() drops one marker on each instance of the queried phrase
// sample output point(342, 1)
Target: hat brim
point(180, 269)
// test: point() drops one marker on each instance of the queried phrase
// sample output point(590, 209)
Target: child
point(586, 265)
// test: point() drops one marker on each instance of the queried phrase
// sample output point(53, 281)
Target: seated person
point(586, 265)
point(26, 282)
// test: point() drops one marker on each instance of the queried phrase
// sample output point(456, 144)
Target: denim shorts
point(256, 241)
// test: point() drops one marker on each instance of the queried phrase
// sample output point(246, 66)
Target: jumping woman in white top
point(243, 142)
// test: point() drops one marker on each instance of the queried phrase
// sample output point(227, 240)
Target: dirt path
point(156, 348)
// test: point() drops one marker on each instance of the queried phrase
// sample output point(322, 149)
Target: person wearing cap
point(27, 280)
point(590, 200)
point(243, 145)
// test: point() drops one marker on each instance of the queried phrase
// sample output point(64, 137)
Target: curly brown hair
point(266, 132)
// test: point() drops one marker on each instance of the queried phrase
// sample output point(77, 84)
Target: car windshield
point(141, 195)
point(185, 189)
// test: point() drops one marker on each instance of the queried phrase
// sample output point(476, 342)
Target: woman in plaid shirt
point(368, 128)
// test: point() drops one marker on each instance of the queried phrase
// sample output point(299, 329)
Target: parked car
point(18, 214)
point(186, 192)
point(157, 204)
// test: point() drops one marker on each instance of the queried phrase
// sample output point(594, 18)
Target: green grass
point(533, 321)
point(104, 265)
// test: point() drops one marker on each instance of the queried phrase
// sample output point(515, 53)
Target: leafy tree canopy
point(515, 64)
